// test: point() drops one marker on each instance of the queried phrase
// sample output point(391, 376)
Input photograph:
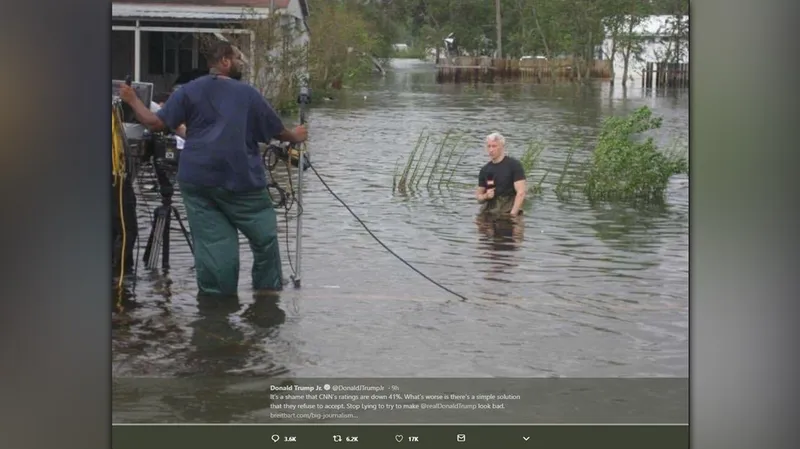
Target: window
point(155, 53)
point(170, 53)
point(185, 60)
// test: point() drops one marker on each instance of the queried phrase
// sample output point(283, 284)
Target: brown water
point(576, 290)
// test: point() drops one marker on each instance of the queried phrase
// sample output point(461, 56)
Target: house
point(657, 35)
point(158, 40)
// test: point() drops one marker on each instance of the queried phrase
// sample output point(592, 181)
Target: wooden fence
point(665, 75)
point(484, 69)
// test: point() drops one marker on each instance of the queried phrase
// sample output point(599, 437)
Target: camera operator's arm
point(181, 132)
point(272, 126)
point(298, 135)
point(170, 116)
point(143, 113)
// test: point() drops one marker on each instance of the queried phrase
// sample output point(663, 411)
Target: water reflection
point(226, 349)
point(624, 228)
point(143, 338)
point(500, 238)
point(212, 401)
point(123, 297)
point(218, 347)
point(500, 233)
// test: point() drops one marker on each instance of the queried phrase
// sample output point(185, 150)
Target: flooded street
point(576, 290)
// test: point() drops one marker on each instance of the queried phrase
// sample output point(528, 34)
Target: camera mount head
point(143, 90)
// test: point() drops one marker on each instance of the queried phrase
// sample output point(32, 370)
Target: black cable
point(288, 207)
point(287, 199)
point(376, 237)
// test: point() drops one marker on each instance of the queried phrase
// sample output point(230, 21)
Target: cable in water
point(286, 199)
point(376, 237)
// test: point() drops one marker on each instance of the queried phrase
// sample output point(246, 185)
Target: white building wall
point(651, 52)
point(657, 33)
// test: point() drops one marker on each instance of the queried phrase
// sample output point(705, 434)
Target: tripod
point(162, 219)
point(303, 99)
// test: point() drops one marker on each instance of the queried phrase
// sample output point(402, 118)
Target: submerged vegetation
point(437, 170)
point(623, 166)
point(623, 169)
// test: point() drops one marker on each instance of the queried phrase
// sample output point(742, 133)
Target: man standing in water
point(220, 173)
point(501, 182)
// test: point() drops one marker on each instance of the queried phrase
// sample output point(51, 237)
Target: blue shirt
point(225, 120)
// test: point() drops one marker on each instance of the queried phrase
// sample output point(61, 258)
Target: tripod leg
point(165, 239)
point(148, 249)
point(157, 236)
point(185, 232)
point(299, 230)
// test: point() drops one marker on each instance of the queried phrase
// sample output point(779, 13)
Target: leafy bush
point(622, 168)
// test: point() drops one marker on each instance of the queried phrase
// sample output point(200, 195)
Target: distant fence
point(485, 69)
point(665, 74)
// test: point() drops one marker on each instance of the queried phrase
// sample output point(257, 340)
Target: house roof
point(182, 12)
point(237, 3)
point(218, 10)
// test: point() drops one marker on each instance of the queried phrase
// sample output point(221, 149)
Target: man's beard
point(235, 74)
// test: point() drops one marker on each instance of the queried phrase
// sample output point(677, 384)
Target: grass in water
point(430, 164)
point(530, 163)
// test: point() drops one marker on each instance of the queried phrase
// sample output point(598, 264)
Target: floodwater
point(573, 290)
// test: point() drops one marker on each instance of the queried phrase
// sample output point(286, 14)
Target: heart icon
point(398, 438)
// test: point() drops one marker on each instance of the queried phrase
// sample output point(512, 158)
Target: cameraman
point(220, 172)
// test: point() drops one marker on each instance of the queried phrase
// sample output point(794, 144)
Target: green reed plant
point(530, 163)
point(431, 163)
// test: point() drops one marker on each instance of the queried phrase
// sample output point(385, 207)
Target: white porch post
point(253, 62)
point(195, 52)
point(137, 53)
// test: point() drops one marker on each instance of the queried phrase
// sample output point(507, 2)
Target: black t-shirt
point(501, 176)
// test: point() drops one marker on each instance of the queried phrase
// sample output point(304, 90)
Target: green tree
point(631, 40)
point(342, 41)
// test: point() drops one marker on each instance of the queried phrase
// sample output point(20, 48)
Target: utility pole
point(499, 20)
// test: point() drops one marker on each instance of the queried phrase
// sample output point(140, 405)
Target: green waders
point(215, 215)
point(498, 206)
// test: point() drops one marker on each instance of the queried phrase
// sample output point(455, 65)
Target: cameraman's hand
point(301, 133)
point(127, 94)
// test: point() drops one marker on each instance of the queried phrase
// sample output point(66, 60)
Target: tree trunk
point(589, 58)
point(499, 21)
point(541, 33)
point(524, 25)
point(676, 33)
point(626, 52)
point(613, 54)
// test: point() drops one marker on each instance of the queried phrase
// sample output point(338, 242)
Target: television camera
point(160, 151)
point(145, 146)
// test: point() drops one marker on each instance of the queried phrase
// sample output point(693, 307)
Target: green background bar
point(440, 437)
